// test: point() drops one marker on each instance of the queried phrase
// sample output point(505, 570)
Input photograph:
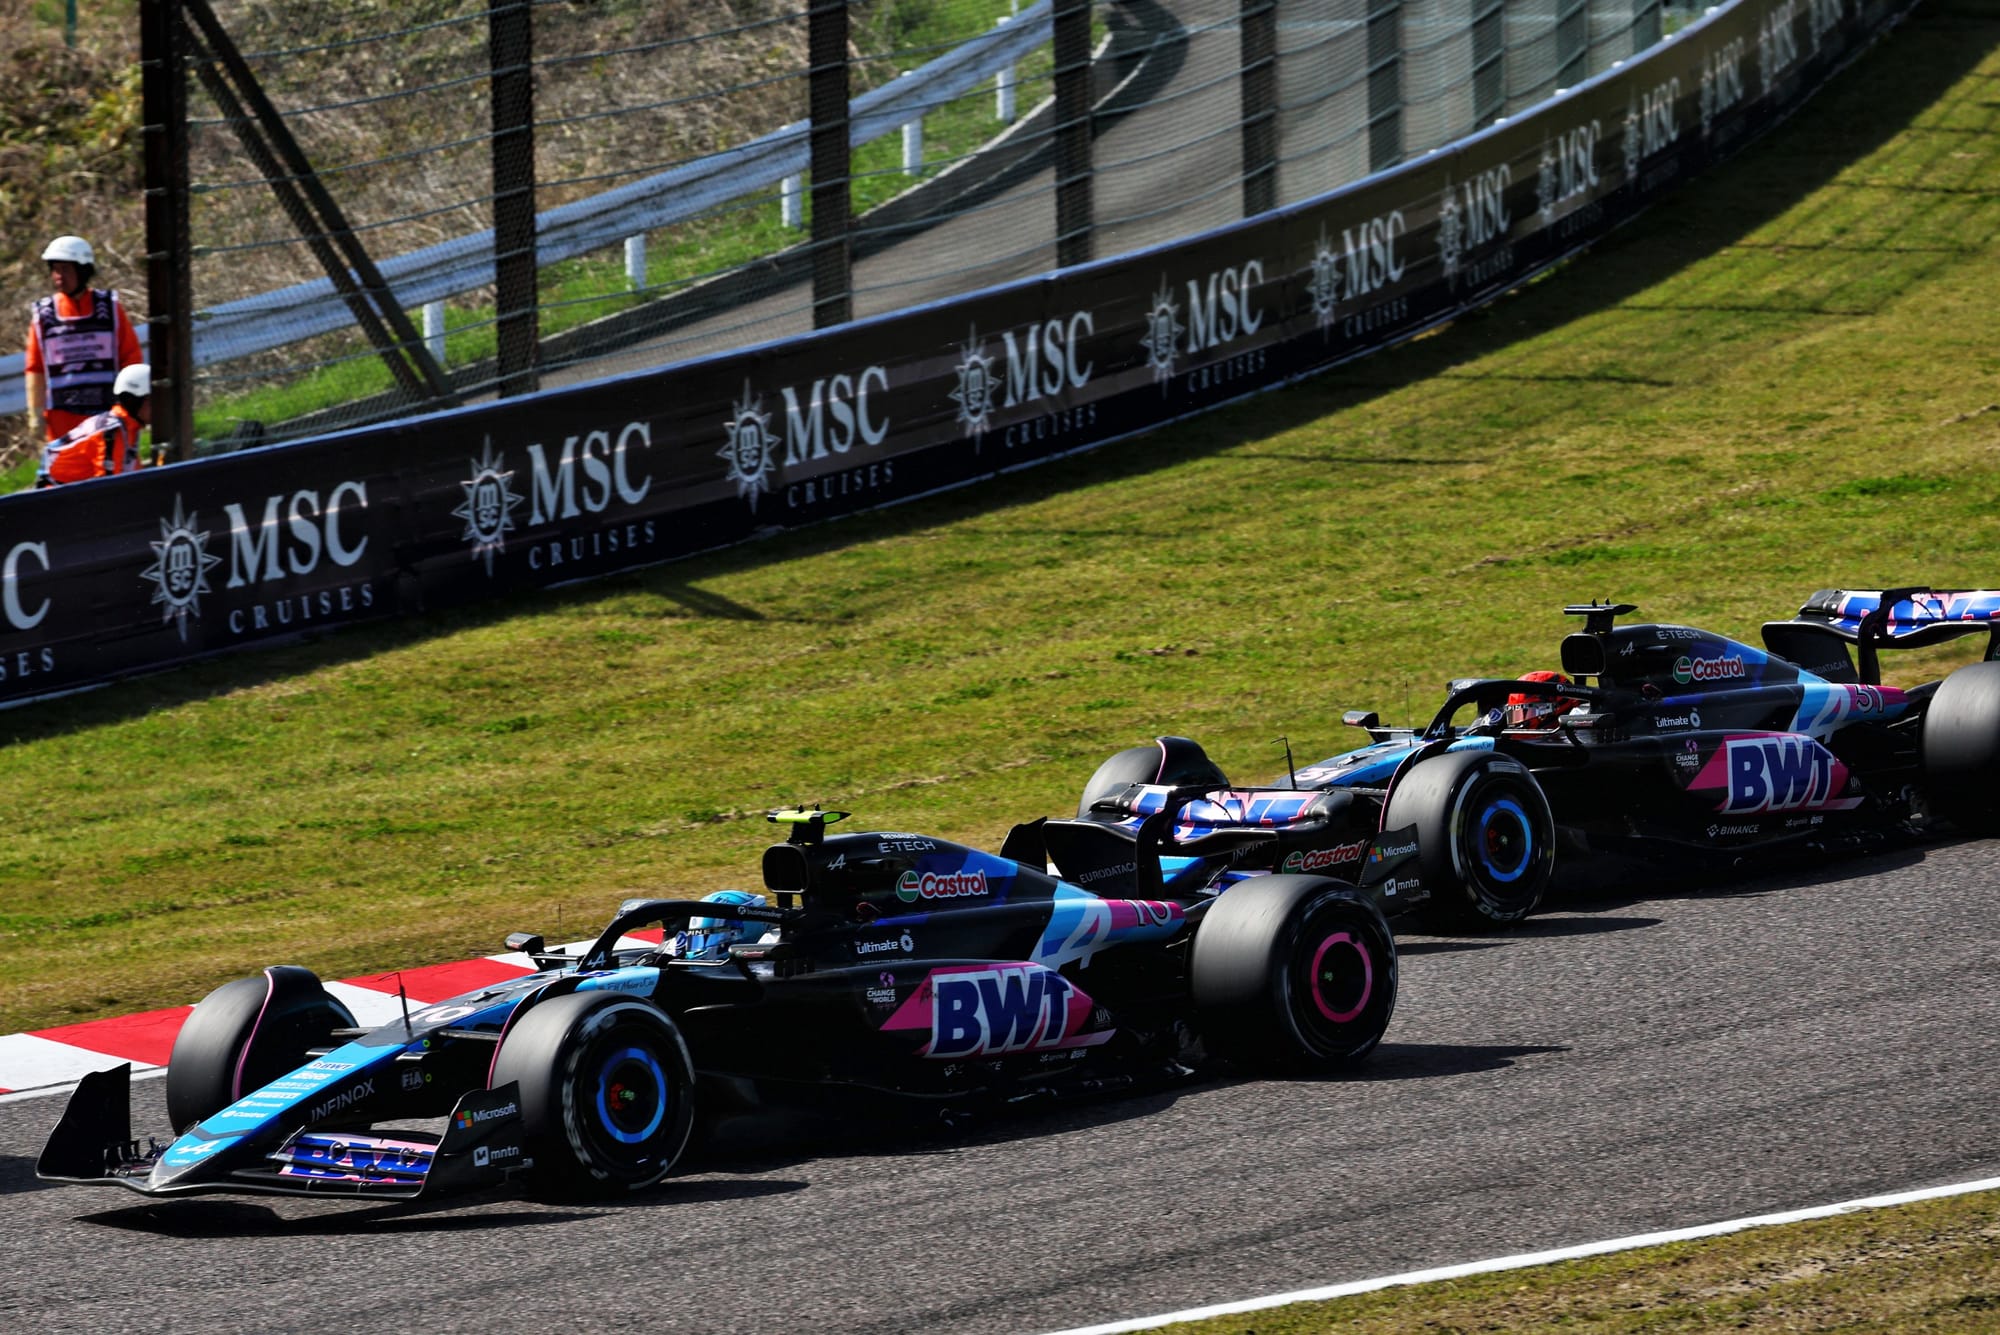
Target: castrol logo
point(914, 886)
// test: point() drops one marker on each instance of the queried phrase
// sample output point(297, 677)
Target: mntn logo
point(1777, 774)
point(1006, 1009)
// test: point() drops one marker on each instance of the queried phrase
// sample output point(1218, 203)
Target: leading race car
point(893, 967)
point(1658, 747)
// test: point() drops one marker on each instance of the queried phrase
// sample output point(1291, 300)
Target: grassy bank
point(1916, 1269)
point(1785, 378)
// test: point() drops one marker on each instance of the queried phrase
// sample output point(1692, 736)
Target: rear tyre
point(1293, 975)
point(244, 1035)
point(1961, 749)
point(1485, 838)
point(1168, 760)
point(607, 1092)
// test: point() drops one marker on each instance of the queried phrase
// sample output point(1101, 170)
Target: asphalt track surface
point(1618, 1066)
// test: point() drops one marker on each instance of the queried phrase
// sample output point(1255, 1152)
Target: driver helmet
point(710, 938)
point(1538, 711)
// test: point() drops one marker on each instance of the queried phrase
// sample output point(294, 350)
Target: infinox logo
point(1727, 668)
point(1320, 858)
point(345, 1099)
point(914, 886)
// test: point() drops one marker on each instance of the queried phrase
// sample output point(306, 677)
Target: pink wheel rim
point(1367, 978)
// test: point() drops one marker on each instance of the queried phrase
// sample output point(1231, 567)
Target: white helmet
point(136, 380)
point(72, 248)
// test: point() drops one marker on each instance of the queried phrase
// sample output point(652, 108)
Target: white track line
point(1530, 1259)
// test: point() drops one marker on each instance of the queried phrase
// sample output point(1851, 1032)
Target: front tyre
point(1961, 748)
point(246, 1034)
point(607, 1091)
point(1485, 838)
point(1293, 974)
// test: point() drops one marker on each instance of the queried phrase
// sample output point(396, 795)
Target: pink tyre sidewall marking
point(1367, 977)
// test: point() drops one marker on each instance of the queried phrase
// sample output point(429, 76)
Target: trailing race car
point(1663, 746)
point(893, 966)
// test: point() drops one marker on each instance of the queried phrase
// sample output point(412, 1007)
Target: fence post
point(913, 141)
point(1258, 36)
point(635, 261)
point(1385, 83)
point(434, 330)
point(1073, 132)
point(510, 49)
point(169, 275)
point(826, 98)
point(1003, 85)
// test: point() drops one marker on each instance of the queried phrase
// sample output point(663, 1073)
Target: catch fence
point(372, 209)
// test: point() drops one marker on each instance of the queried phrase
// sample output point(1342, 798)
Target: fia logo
point(179, 572)
point(1163, 328)
point(750, 446)
point(489, 505)
point(1324, 287)
point(974, 395)
point(1451, 233)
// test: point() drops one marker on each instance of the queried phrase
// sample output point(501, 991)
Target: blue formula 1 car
point(893, 967)
point(1658, 748)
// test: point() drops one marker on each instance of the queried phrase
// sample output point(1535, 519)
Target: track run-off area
point(1633, 1062)
point(1616, 1067)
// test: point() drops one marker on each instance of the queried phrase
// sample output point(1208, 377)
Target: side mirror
point(1583, 655)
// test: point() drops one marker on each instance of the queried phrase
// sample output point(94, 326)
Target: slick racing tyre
point(244, 1035)
point(607, 1092)
point(1292, 974)
point(1168, 760)
point(1485, 838)
point(1961, 749)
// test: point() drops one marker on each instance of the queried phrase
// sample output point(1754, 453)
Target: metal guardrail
point(273, 319)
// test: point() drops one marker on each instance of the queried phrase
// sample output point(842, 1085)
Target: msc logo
point(1777, 774)
point(489, 505)
point(1163, 332)
point(1649, 124)
point(974, 395)
point(606, 472)
point(1472, 214)
point(1778, 42)
point(1568, 169)
point(1011, 1008)
point(308, 530)
point(749, 447)
point(179, 572)
point(11, 569)
point(1721, 82)
point(1223, 313)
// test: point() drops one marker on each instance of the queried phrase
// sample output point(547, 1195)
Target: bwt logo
point(1008, 1009)
point(12, 569)
point(1777, 774)
point(606, 467)
point(309, 530)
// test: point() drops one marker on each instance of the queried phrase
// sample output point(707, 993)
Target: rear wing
point(1875, 619)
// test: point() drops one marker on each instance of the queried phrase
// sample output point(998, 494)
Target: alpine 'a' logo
point(974, 395)
point(1325, 285)
point(489, 505)
point(180, 568)
point(1451, 233)
point(750, 451)
point(1163, 329)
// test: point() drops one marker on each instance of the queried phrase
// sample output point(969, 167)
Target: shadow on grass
point(1861, 109)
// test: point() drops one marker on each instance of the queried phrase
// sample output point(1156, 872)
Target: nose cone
point(188, 1157)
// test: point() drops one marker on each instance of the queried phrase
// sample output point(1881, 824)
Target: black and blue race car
point(894, 969)
point(1659, 748)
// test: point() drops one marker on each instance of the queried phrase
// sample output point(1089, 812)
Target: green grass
point(576, 291)
point(1912, 1270)
point(1776, 382)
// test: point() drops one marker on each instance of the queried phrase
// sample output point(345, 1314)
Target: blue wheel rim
point(1486, 837)
point(614, 1086)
